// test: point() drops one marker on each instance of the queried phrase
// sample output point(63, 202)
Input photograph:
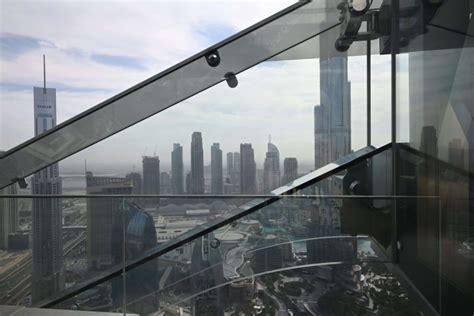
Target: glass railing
point(380, 230)
point(232, 56)
point(299, 252)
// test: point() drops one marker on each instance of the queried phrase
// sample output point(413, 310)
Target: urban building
point(271, 169)
point(136, 179)
point(101, 214)
point(230, 165)
point(207, 273)
point(197, 164)
point(232, 183)
point(48, 270)
point(177, 170)
point(143, 283)
point(290, 170)
point(9, 217)
point(151, 175)
point(248, 170)
point(165, 183)
point(236, 175)
point(217, 180)
point(332, 117)
point(269, 254)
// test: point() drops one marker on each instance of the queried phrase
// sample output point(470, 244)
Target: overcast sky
point(96, 49)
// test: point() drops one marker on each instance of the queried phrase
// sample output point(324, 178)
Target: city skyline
point(231, 114)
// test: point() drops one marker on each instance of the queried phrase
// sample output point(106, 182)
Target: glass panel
point(286, 237)
point(172, 86)
point(211, 215)
point(97, 298)
point(49, 245)
point(296, 233)
point(434, 79)
point(103, 61)
point(15, 249)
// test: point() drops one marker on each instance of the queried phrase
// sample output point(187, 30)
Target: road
point(18, 280)
point(282, 310)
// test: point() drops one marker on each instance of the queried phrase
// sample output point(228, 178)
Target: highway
point(18, 280)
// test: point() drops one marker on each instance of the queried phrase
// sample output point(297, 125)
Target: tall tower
point(177, 172)
point(102, 214)
point(248, 169)
point(290, 170)
point(332, 131)
point(217, 181)
point(230, 165)
point(271, 168)
point(332, 118)
point(235, 180)
point(197, 164)
point(151, 174)
point(48, 271)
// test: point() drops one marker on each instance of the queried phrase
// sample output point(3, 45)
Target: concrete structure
point(271, 169)
point(217, 181)
point(248, 172)
point(197, 164)
point(48, 271)
point(177, 172)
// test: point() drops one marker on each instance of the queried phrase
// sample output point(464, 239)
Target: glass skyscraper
point(48, 270)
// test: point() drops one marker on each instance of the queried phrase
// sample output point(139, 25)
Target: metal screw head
point(231, 79)
point(213, 59)
point(215, 243)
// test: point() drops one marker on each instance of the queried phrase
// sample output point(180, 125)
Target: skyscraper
point(332, 118)
point(151, 175)
point(248, 169)
point(189, 183)
point(206, 273)
point(8, 215)
point(332, 132)
point(47, 271)
point(165, 183)
point(177, 172)
point(236, 175)
point(197, 164)
point(290, 170)
point(142, 283)
point(233, 172)
point(217, 181)
point(230, 166)
point(101, 215)
point(271, 169)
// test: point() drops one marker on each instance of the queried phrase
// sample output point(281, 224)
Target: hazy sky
point(95, 49)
